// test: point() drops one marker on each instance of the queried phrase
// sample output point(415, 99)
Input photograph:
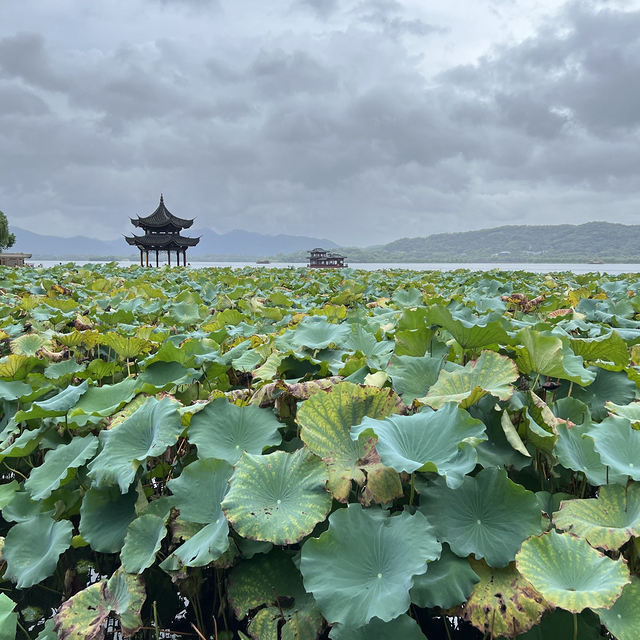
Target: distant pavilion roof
point(162, 218)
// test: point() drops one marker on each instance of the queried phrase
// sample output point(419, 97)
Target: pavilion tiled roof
point(157, 241)
point(160, 218)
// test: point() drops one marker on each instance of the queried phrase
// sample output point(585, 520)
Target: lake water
point(416, 266)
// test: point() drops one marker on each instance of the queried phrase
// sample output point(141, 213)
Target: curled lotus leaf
point(491, 373)
point(58, 405)
point(364, 565)
point(142, 542)
point(32, 548)
point(8, 618)
point(326, 419)
point(403, 627)
point(427, 441)
point(502, 603)
point(570, 573)
point(223, 430)
point(83, 615)
point(278, 497)
point(623, 618)
point(60, 464)
point(448, 582)
point(146, 433)
point(618, 444)
point(105, 400)
point(488, 515)
point(607, 521)
point(629, 411)
point(273, 580)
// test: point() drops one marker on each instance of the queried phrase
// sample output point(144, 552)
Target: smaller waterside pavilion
point(162, 233)
point(320, 259)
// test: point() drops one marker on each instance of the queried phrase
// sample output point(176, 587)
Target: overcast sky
point(358, 120)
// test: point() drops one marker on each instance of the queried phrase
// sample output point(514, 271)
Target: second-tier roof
point(162, 218)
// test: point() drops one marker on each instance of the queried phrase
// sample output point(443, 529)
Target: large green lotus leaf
point(105, 400)
point(142, 542)
point(82, 617)
point(413, 377)
point(126, 346)
point(426, 441)
point(448, 582)
point(64, 368)
point(629, 411)
point(59, 405)
point(618, 444)
point(8, 619)
point(278, 497)
point(57, 465)
point(165, 375)
point(105, 515)
point(376, 352)
point(32, 548)
point(490, 373)
point(469, 331)
point(197, 493)
point(21, 508)
point(623, 618)
point(317, 333)
point(146, 433)
point(608, 348)
point(402, 627)
point(570, 573)
point(7, 491)
point(578, 453)
point(609, 386)
point(14, 390)
point(606, 522)
point(200, 489)
point(273, 580)
point(503, 603)
point(326, 419)
point(29, 344)
point(23, 445)
point(550, 356)
point(488, 515)
point(559, 625)
point(363, 566)
point(407, 297)
point(223, 430)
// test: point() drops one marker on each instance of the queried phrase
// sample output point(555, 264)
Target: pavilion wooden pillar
point(157, 259)
point(169, 257)
point(141, 263)
point(147, 257)
point(184, 257)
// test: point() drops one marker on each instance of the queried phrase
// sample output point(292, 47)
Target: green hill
point(604, 241)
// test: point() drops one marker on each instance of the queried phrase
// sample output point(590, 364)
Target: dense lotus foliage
point(294, 454)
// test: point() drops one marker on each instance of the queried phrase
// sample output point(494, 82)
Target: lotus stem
point(446, 625)
point(412, 491)
point(575, 626)
point(155, 620)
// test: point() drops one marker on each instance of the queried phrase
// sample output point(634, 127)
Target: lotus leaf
point(488, 515)
point(377, 353)
point(559, 625)
point(407, 297)
point(278, 497)
point(58, 465)
point(623, 618)
point(7, 492)
point(29, 345)
point(20, 507)
point(32, 548)
point(105, 515)
point(8, 618)
point(571, 574)
point(401, 627)
point(126, 346)
point(105, 400)
point(326, 419)
point(14, 390)
point(606, 522)
point(317, 333)
point(363, 566)
point(145, 434)
point(64, 368)
point(468, 331)
point(223, 430)
point(607, 348)
point(550, 356)
point(427, 441)
point(629, 411)
point(575, 451)
point(413, 377)
point(274, 580)
point(618, 444)
point(142, 542)
point(58, 405)
point(448, 582)
point(490, 373)
point(503, 603)
point(83, 615)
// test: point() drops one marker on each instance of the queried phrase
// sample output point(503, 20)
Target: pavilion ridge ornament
point(162, 233)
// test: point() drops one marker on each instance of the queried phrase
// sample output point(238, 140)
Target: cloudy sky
point(358, 120)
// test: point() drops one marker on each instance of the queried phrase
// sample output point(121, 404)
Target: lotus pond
point(293, 454)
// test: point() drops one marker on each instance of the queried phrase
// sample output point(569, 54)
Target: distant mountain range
point(235, 244)
point(567, 243)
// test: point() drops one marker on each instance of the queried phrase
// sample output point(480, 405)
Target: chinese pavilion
point(162, 233)
point(320, 259)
